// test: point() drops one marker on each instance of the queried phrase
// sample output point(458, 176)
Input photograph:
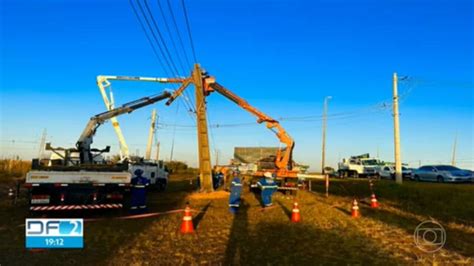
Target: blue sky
point(283, 57)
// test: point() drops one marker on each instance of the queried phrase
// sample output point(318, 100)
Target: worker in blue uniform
point(215, 180)
point(139, 184)
point(235, 192)
point(267, 187)
point(220, 179)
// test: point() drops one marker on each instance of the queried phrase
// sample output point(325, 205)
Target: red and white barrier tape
point(75, 207)
point(138, 216)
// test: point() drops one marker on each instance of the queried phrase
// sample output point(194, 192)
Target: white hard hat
point(267, 174)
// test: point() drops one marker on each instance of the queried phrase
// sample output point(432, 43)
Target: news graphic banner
point(54, 233)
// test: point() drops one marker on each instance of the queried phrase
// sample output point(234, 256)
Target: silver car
point(441, 173)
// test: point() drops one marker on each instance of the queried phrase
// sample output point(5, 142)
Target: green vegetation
point(11, 169)
point(446, 202)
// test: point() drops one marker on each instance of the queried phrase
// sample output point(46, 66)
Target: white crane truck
point(81, 178)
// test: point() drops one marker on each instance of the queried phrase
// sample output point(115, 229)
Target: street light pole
point(323, 156)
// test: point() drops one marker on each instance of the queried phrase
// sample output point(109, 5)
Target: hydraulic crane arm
point(104, 84)
point(282, 162)
point(83, 145)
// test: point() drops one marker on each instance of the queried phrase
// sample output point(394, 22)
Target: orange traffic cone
point(355, 209)
point(187, 224)
point(373, 201)
point(295, 214)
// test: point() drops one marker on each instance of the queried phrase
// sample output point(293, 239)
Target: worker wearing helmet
point(235, 191)
point(139, 184)
point(267, 188)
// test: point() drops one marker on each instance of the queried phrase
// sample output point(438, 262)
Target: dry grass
point(10, 169)
point(326, 235)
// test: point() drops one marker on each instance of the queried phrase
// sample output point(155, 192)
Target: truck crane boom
point(85, 140)
point(104, 84)
point(282, 161)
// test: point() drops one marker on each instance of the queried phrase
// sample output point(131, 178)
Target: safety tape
point(144, 215)
point(267, 208)
point(75, 207)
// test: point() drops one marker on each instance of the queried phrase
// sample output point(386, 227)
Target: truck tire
point(355, 174)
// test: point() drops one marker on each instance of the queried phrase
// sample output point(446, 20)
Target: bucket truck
point(80, 178)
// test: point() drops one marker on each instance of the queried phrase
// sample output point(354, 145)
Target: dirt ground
point(326, 235)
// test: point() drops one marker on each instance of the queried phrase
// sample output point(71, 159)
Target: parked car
point(388, 172)
point(472, 174)
point(442, 173)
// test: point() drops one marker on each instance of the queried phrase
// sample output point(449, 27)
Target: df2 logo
point(54, 227)
point(430, 236)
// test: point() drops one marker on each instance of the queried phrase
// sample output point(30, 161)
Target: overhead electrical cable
point(189, 30)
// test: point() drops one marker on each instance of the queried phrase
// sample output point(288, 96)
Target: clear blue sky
point(283, 57)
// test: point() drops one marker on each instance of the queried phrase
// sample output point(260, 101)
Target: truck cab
point(155, 171)
point(358, 166)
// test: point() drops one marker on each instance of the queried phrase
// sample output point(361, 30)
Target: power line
point(147, 7)
point(157, 42)
point(148, 38)
point(178, 33)
point(171, 36)
point(161, 45)
point(189, 30)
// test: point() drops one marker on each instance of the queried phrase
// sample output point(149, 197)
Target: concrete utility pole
point(205, 174)
point(157, 151)
point(453, 161)
point(323, 156)
point(151, 133)
point(396, 125)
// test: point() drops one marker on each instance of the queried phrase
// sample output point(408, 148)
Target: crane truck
point(282, 166)
point(80, 178)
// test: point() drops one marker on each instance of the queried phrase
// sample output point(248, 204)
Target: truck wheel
point(355, 174)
